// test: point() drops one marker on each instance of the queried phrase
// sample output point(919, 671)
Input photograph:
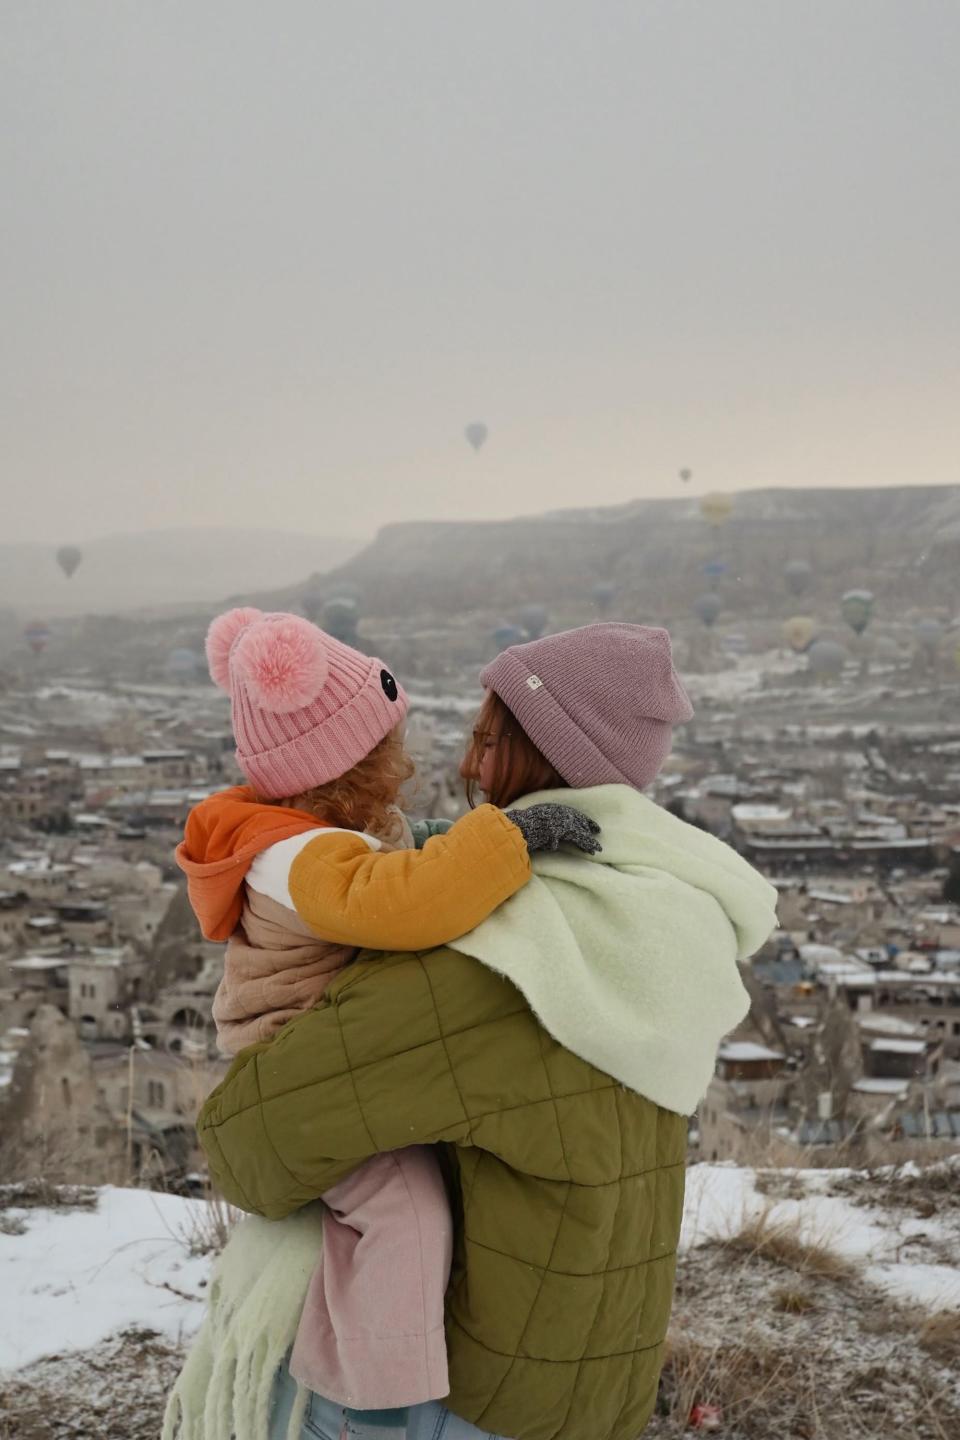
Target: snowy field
point(75, 1277)
point(101, 1302)
point(914, 1259)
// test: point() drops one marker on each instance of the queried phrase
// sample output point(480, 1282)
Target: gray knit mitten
point(547, 827)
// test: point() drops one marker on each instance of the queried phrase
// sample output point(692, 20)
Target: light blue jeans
point(324, 1418)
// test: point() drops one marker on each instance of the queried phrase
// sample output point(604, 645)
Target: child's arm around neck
point(347, 888)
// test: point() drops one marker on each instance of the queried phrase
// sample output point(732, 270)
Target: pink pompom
point(223, 632)
point(283, 663)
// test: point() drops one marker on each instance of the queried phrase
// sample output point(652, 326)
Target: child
point(296, 872)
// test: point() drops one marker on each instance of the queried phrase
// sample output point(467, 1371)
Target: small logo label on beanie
point(534, 682)
point(388, 685)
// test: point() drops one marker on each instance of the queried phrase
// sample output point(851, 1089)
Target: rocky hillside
point(904, 543)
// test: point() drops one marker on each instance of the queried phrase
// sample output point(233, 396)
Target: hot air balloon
point(826, 657)
point(715, 569)
point(716, 509)
point(928, 633)
point(857, 609)
point(68, 558)
point(686, 475)
point(476, 434)
point(533, 619)
point(506, 635)
point(708, 608)
point(735, 643)
point(798, 575)
point(183, 665)
point(604, 594)
point(339, 619)
point(798, 632)
point(37, 636)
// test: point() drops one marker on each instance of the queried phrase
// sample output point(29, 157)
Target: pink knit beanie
point(600, 703)
point(306, 708)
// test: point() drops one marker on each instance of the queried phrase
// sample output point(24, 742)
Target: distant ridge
point(903, 542)
point(184, 567)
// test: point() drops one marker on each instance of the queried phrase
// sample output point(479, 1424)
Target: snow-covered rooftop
point(875, 1086)
point(748, 813)
point(748, 1050)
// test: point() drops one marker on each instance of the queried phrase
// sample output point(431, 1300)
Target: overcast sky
point(263, 261)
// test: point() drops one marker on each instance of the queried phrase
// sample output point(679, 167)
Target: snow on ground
point(914, 1260)
point(74, 1277)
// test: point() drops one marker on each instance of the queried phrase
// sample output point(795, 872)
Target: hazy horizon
point(263, 264)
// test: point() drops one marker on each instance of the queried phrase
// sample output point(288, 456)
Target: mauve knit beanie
point(306, 708)
point(599, 703)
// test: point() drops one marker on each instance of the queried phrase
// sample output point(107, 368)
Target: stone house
point(745, 1104)
point(103, 985)
point(39, 878)
point(38, 980)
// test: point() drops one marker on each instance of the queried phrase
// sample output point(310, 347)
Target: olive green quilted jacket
point(566, 1187)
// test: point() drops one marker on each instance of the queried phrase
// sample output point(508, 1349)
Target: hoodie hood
point(629, 958)
point(223, 836)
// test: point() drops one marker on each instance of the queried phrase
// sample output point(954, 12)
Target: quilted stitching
point(570, 1185)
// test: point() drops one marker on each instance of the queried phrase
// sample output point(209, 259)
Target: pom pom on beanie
point(223, 632)
point(282, 662)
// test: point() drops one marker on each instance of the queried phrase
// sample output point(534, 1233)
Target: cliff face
point(903, 543)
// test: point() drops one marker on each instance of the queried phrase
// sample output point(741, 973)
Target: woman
point(557, 1101)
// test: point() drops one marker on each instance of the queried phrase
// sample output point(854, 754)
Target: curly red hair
point(365, 798)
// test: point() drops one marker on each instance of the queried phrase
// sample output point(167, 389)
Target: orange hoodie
point(224, 834)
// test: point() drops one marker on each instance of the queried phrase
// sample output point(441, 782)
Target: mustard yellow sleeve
point(409, 899)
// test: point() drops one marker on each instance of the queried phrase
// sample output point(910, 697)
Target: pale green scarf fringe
point(225, 1389)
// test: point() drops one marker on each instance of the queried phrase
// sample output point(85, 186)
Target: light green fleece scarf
point(225, 1389)
point(629, 958)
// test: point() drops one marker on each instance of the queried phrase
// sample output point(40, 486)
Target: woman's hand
point(547, 827)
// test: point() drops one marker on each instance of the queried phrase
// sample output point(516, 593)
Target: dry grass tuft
point(928, 1190)
point(209, 1226)
point(940, 1337)
point(763, 1391)
point(783, 1244)
point(780, 1185)
point(791, 1301)
point(42, 1193)
point(760, 1391)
